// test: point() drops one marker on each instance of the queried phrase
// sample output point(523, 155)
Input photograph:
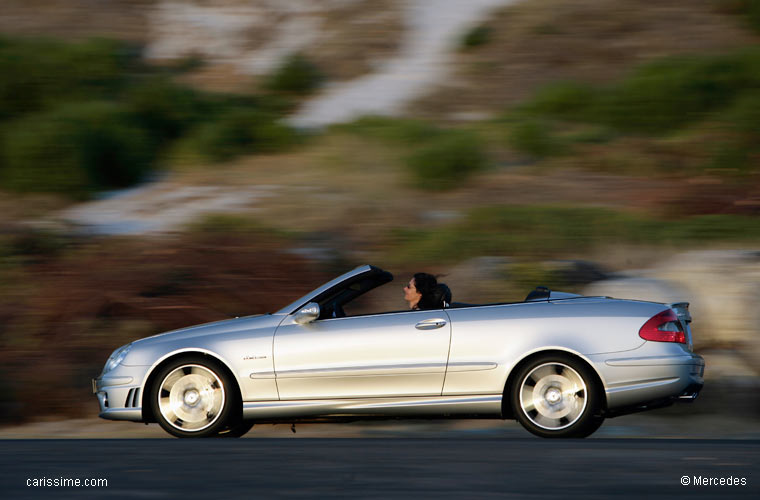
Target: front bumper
point(119, 393)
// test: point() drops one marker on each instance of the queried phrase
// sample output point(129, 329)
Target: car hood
point(217, 327)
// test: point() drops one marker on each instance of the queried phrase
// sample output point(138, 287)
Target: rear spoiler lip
point(682, 310)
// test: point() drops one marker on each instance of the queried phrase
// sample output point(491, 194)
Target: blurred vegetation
point(436, 158)
point(695, 113)
point(30, 245)
point(240, 131)
point(739, 151)
point(477, 36)
point(748, 9)
point(400, 130)
point(80, 117)
point(296, 75)
point(39, 74)
point(75, 149)
point(660, 98)
point(163, 109)
point(535, 137)
point(446, 160)
point(557, 231)
point(224, 223)
point(68, 302)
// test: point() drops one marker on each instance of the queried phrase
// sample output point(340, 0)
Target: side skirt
point(406, 407)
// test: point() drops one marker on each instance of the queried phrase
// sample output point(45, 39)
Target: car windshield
point(359, 295)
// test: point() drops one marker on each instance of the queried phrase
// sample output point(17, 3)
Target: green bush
point(228, 224)
point(477, 36)
point(676, 91)
point(748, 9)
point(165, 110)
point(50, 140)
point(713, 227)
point(535, 138)
point(241, 131)
point(658, 97)
point(568, 100)
point(39, 74)
point(557, 231)
point(527, 275)
point(738, 152)
point(75, 149)
point(744, 116)
point(591, 134)
point(446, 160)
point(296, 75)
point(406, 130)
point(753, 14)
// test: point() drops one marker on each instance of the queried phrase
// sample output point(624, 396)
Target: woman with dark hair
point(424, 292)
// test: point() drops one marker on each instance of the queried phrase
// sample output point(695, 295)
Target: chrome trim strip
point(111, 381)
point(132, 414)
point(361, 371)
point(470, 367)
point(643, 385)
point(364, 371)
point(655, 361)
point(488, 404)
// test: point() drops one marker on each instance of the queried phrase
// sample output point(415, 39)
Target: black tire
point(236, 430)
point(194, 397)
point(557, 396)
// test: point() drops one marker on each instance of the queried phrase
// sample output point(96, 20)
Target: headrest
point(540, 293)
point(442, 293)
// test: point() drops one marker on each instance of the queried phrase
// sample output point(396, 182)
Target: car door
point(390, 354)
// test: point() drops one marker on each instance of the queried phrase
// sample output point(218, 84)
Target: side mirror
point(307, 313)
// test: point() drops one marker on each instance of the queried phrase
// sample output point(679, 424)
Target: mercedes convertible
point(558, 363)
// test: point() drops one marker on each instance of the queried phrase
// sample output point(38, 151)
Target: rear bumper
point(691, 392)
point(652, 381)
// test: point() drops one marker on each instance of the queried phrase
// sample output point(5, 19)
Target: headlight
point(116, 358)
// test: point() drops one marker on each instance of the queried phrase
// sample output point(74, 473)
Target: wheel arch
point(507, 411)
point(147, 404)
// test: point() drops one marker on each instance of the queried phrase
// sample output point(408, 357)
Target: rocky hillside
point(533, 43)
point(485, 176)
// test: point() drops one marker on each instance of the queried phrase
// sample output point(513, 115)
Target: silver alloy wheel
point(191, 398)
point(553, 396)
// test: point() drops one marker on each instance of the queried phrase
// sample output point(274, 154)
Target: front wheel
point(192, 397)
point(236, 430)
point(556, 396)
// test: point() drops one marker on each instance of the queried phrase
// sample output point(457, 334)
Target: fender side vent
point(130, 395)
point(133, 398)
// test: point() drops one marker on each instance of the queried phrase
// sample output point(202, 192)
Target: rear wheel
point(556, 396)
point(192, 397)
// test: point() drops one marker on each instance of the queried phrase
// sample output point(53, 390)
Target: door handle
point(430, 324)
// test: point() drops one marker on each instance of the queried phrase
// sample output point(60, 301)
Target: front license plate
point(94, 386)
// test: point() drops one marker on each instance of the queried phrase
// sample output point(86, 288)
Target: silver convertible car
point(558, 363)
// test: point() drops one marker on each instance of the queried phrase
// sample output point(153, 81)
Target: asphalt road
point(381, 468)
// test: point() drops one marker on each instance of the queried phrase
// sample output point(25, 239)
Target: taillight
point(663, 327)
